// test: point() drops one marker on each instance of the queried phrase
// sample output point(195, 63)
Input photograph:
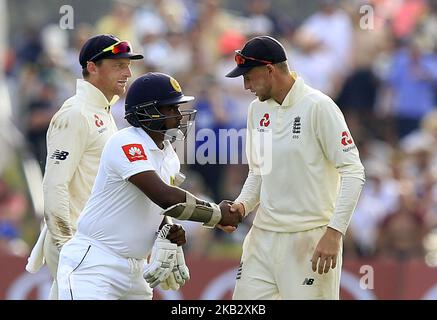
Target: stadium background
point(382, 72)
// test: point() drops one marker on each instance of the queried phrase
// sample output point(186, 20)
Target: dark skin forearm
point(157, 190)
point(166, 196)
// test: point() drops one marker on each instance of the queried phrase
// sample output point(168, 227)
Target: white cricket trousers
point(276, 265)
point(89, 270)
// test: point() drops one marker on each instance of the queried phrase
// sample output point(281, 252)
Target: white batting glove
point(170, 283)
point(179, 275)
point(163, 259)
point(183, 273)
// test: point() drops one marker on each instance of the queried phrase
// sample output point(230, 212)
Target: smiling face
point(258, 81)
point(110, 76)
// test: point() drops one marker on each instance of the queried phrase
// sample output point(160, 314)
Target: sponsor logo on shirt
point(98, 122)
point(347, 141)
point(265, 121)
point(59, 155)
point(308, 281)
point(134, 152)
point(102, 130)
point(297, 125)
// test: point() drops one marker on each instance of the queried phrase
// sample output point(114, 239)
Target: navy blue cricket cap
point(98, 48)
point(258, 51)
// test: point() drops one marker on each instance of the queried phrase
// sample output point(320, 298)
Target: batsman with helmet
point(116, 231)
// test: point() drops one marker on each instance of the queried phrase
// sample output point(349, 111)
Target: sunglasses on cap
point(118, 47)
point(240, 59)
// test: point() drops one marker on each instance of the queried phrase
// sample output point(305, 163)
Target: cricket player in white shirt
point(75, 140)
point(117, 228)
point(306, 191)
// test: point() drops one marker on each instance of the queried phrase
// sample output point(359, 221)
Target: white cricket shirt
point(75, 139)
point(118, 214)
point(295, 176)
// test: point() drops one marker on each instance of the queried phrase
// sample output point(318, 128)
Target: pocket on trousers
point(71, 258)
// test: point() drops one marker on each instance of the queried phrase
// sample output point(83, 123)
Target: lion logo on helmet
point(175, 84)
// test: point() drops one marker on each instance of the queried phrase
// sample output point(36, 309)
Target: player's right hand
point(238, 207)
point(229, 220)
point(163, 259)
point(234, 207)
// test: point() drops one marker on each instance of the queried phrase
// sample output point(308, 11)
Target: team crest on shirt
point(297, 126)
point(134, 152)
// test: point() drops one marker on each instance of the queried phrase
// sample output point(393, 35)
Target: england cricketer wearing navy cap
point(309, 190)
point(75, 140)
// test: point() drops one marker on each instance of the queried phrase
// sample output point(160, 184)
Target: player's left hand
point(177, 235)
point(326, 251)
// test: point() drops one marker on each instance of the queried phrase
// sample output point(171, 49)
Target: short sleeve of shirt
point(334, 135)
point(125, 156)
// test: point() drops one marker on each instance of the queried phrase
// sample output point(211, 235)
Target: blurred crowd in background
point(382, 73)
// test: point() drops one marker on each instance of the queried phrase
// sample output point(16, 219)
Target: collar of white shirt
point(150, 144)
point(93, 96)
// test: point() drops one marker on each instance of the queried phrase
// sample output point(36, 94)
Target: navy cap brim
point(178, 100)
point(185, 99)
point(239, 71)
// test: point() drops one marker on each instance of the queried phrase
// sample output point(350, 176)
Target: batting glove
point(179, 275)
point(163, 258)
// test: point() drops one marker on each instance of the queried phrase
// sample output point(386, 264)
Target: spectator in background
point(81, 33)
point(235, 108)
point(406, 17)
point(420, 145)
point(40, 112)
point(322, 41)
point(260, 18)
point(213, 21)
point(118, 22)
point(29, 48)
point(413, 81)
point(379, 199)
point(13, 206)
point(426, 29)
point(212, 116)
point(401, 236)
point(357, 97)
